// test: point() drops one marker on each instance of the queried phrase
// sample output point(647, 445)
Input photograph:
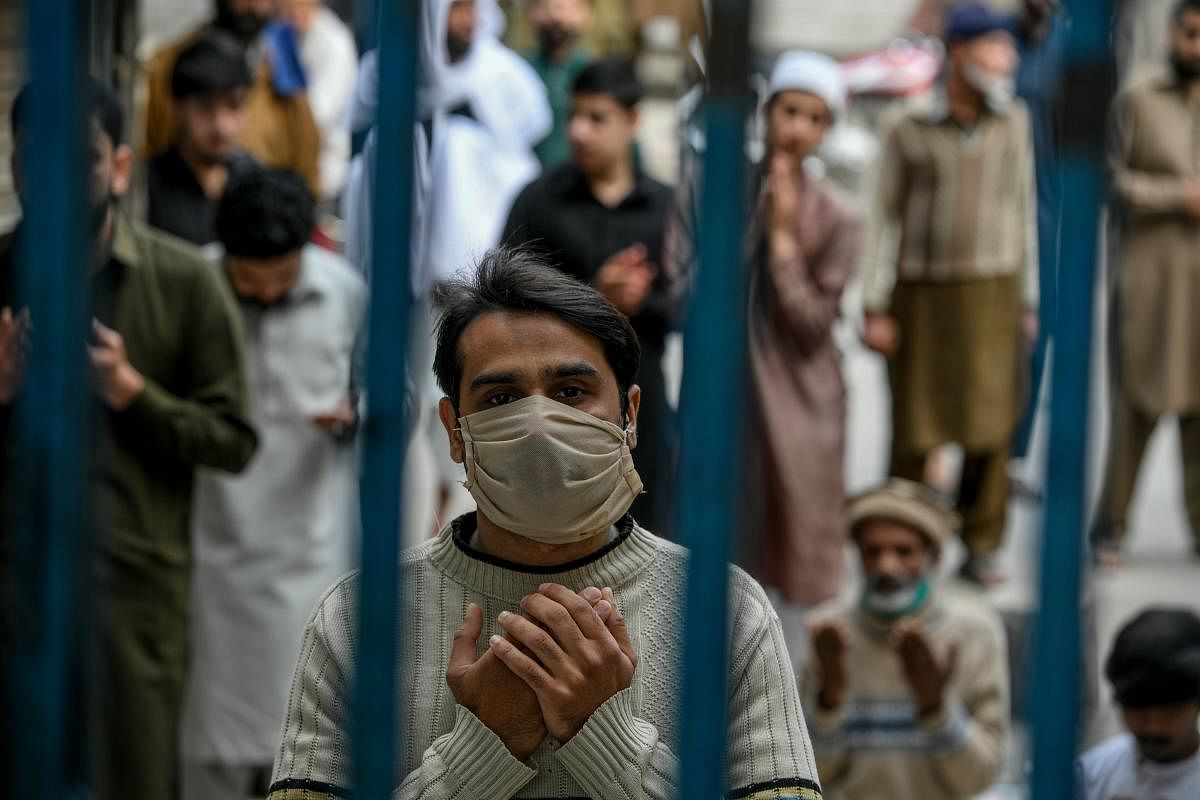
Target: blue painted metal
point(711, 412)
point(51, 425)
point(1058, 652)
point(374, 714)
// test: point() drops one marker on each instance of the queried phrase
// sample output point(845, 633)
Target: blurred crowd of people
point(227, 359)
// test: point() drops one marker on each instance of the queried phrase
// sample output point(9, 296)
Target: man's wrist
point(931, 708)
point(830, 701)
point(127, 385)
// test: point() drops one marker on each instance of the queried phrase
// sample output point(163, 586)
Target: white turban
point(806, 71)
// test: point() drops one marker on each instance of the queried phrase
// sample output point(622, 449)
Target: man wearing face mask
point(1154, 669)
point(268, 542)
point(542, 632)
point(279, 128)
point(558, 60)
point(166, 367)
point(950, 274)
point(1156, 372)
point(907, 689)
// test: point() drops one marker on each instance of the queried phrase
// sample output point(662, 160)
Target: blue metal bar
point(1058, 651)
point(51, 423)
point(714, 360)
point(374, 709)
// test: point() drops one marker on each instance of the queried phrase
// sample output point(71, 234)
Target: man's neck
point(966, 104)
point(211, 175)
point(495, 541)
point(614, 183)
point(102, 242)
point(561, 54)
point(1191, 90)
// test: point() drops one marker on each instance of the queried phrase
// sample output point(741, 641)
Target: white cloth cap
point(806, 71)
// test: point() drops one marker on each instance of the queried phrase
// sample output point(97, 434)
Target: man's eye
point(570, 393)
point(501, 399)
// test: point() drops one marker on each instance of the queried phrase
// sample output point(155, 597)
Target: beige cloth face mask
point(546, 471)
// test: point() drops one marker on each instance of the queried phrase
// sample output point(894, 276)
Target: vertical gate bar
point(374, 715)
point(1057, 659)
point(49, 529)
point(711, 408)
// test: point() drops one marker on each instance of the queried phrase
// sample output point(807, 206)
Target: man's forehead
point(528, 345)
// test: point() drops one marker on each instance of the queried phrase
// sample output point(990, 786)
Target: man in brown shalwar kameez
point(809, 237)
point(951, 274)
point(1155, 315)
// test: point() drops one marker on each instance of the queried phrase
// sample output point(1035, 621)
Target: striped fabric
point(951, 204)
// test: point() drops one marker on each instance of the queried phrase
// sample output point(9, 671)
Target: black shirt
point(559, 216)
point(175, 201)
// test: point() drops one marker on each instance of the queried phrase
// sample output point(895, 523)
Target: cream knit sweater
point(625, 750)
point(877, 745)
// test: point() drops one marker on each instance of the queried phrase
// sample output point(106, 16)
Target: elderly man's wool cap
point(967, 21)
point(909, 503)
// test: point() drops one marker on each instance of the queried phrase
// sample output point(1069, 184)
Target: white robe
point(267, 543)
point(469, 174)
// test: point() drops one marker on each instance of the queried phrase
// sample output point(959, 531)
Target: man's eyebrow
point(580, 369)
point(494, 379)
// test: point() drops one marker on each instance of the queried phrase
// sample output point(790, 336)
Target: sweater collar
point(614, 565)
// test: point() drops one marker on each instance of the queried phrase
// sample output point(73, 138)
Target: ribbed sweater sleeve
point(469, 761)
point(770, 754)
point(617, 755)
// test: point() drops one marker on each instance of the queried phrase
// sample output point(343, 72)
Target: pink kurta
point(800, 398)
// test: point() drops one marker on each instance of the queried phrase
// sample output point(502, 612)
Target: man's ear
point(449, 418)
point(122, 173)
point(633, 405)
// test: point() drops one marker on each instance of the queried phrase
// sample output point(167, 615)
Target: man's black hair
point(613, 75)
point(1185, 7)
point(104, 108)
point(517, 280)
point(265, 213)
point(1155, 660)
point(215, 62)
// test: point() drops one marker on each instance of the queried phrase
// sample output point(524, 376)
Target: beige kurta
point(801, 399)
point(951, 253)
point(1155, 152)
point(279, 131)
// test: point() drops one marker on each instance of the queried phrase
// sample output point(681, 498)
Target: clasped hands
point(563, 658)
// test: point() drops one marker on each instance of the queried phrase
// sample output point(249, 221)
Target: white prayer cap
point(806, 71)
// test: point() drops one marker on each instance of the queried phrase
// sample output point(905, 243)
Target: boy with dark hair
point(541, 410)
point(167, 370)
point(601, 219)
point(279, 128)
point(209, 84)
point(268, 543)
point(1154, 669)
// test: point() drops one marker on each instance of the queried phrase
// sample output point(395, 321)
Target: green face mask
point(897, 604)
